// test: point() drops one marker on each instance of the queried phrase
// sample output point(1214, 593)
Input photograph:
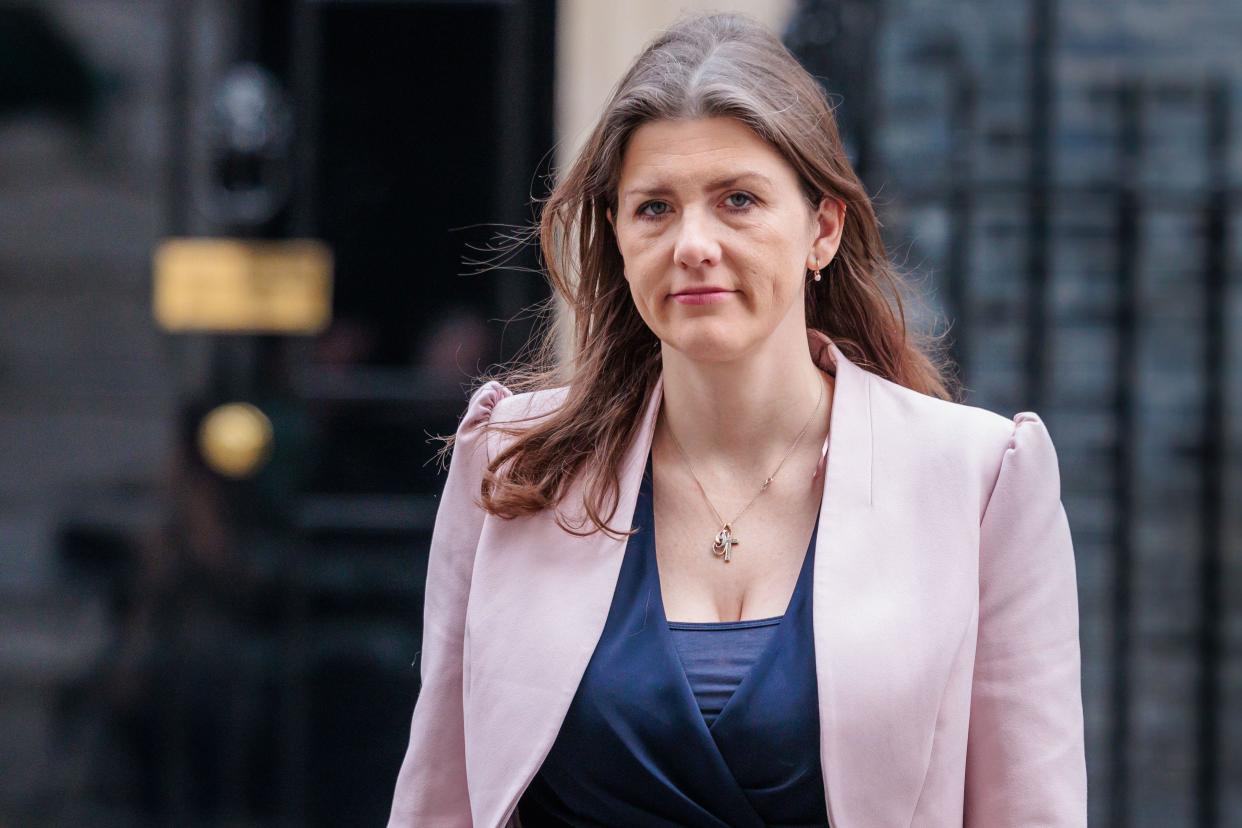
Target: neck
point(743, 416)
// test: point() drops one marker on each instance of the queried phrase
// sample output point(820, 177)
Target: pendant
point(724, 543)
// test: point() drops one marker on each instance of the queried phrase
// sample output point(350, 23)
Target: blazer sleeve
point(1025, 757)
point(431, 786)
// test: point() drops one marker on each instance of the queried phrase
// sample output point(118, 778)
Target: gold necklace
point(725, 540)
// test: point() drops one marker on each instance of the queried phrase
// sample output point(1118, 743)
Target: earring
point(817, 276)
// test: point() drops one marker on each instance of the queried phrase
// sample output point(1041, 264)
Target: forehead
point(690, 153)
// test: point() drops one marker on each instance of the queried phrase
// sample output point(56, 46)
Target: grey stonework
point(88, 385)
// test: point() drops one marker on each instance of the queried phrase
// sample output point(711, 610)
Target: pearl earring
point(817, 276)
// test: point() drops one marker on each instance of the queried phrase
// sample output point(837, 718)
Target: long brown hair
point(703, 66)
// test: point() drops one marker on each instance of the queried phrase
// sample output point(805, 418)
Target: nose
point(696, 244)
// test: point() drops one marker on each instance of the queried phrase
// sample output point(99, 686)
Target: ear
point(830, 224)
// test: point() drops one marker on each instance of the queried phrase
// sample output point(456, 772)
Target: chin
point(714, 343)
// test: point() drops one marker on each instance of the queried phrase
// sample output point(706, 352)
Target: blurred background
point(236, 301)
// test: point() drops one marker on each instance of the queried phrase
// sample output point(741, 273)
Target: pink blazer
point(945, 613)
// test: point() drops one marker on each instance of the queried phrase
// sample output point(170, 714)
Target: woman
point(745, 562)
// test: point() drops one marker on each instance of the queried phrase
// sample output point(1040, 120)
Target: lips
point(705, 289)
point(701, 297)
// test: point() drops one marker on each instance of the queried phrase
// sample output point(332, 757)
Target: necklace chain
point(725, 540)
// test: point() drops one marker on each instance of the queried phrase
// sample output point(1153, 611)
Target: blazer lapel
point(885, 639)
point(541, 597)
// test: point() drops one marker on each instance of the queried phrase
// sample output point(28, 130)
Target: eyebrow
point(718, 184)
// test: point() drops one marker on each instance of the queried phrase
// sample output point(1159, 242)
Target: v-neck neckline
point(666, 636)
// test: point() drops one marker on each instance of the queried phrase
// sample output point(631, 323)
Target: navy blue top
point(717, 655)
point(637, 747)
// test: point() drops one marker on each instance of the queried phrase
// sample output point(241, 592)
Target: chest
point(770, 543)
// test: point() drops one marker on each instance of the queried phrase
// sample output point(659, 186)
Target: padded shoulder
point(530, 404)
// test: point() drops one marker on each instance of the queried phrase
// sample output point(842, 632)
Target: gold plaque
point(243, 285)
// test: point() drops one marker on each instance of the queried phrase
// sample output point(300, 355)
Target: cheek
point(788, 254)
point(640, 259)
point(772, 264)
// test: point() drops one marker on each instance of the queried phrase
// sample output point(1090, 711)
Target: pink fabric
point(945, 609)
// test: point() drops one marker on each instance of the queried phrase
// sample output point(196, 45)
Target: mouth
point(708, 296)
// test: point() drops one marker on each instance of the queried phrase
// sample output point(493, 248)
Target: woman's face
point(708, 203)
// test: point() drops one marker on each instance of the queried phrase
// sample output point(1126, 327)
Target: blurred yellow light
point(235, 439)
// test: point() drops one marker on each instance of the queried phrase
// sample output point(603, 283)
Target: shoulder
point(895, 406)
point(527, 405)
point(968, 438)
point(494, 405)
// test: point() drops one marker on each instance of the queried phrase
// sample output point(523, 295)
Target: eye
point(643, 214)
point(747, 201)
